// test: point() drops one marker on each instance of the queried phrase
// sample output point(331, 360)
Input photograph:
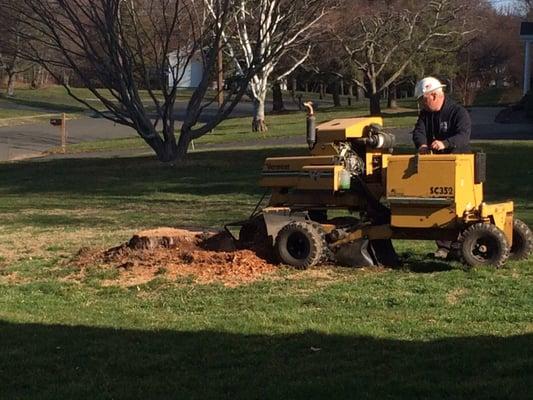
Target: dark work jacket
point(451, 125)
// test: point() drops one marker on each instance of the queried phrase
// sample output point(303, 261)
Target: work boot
point(441, 253)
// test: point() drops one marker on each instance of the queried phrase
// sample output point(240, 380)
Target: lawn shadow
point(202, 173)
point(428, 266)
point(216, 172)
point(57, 361)
point(46, 106)
point(65, 220)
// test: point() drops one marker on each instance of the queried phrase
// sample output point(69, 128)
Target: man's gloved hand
point(424, 149)
point(438, 145)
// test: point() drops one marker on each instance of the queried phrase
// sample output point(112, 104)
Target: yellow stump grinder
point(377, 196)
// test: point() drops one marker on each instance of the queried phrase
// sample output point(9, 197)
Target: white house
point(189, 75)
point(526, 34)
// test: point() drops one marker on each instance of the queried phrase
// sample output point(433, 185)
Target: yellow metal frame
point(425, 192)
point(432, 191)
point(339, 130)
point(501, 215)
point(371, 232)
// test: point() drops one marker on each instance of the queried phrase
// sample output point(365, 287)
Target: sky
point(503, 3)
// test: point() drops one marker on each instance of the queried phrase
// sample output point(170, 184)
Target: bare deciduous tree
point(12, 45)
point(494, 56)
point(120, 50)
point(273, 30)
point(381, 45)
point(524, 7)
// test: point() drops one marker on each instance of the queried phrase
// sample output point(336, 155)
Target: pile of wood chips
point(173, 253)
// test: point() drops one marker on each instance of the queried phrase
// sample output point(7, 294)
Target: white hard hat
point(427, 85)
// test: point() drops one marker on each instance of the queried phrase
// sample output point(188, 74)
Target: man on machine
point(443, 127)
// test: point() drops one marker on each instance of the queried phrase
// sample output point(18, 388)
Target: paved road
point(484, 127)
point(31, 140)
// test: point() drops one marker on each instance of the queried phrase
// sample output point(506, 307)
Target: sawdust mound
point(206, 257)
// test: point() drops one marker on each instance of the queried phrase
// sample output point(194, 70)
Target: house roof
point(526, 30)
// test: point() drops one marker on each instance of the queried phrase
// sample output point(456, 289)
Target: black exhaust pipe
point(311, 126)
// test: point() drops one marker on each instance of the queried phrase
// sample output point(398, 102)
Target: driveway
point(33, 139)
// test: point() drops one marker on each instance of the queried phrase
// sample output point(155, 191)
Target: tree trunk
point(39, 77)
point(45, 77)
point(258, 123)
point(168, 151)
point(321, 91)
point(10, 84)
point(350, 94)
point(360, 94)
point(294, 86)
point(65, 76)
point(336, 94)
point(375, 106)
point(34, 84)
point(277, 98)
point(391, 99)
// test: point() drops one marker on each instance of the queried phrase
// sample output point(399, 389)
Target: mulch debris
point(173, 253)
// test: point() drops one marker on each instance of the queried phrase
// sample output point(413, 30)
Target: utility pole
point(220, 80)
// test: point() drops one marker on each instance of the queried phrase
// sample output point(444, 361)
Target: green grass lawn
point(428, 330)
point(7, 112)
point(57, 98)
point(53, 98)
point(497, 97)
point(30, 102)
point(235, 130)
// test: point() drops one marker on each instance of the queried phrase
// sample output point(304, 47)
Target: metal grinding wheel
point(354, 254)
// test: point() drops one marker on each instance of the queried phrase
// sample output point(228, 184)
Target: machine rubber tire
point(484, 244)
point(327, 254)
point(300, 244)
point(522, 241)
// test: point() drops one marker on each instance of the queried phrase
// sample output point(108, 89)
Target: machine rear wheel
point(484, 244)
point(300, 244)
point(522, 241)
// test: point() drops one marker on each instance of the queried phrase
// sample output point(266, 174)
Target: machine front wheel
point(300, 244)
point(522, 241)
point(484, 244)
